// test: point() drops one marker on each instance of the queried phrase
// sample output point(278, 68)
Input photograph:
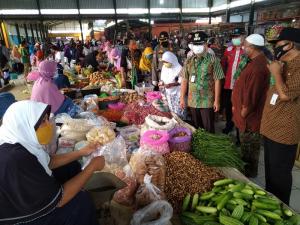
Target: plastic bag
point(157, 213)
point(153, 95)
point(101, 135)
point(114, 154)
point(125, 196)
point(155, 140)
point(148, 193)
point(180, 139)
point(90, 103)
point(75, 129)
point(153, 122)
point(130, 133)
point(145, 162)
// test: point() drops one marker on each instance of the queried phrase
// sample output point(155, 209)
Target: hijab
point(168, 75)
point(18, 126)
point(44, 90)
point(145, 63)
point(116, 58)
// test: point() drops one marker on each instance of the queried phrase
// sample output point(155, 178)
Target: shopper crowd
point(253, 80)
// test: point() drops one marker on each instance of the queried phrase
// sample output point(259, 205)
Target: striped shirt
point(281, 122)
point(201, 73)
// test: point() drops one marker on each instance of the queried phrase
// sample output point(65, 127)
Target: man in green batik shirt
point(201, 81)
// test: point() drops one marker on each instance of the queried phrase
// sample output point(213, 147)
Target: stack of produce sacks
point(153, 122)
point(155, 141)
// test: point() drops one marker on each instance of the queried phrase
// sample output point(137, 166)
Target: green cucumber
point(261, 205)
point(197, 219)
point(246, 217)
point(195, 201)
point(260, 192)
point(247, 191)
point(287, 212)
point(230, 206)
point(186, 202)
point(224, 201)
point(260, 218)
point(237, 187)
point(295, 219)
point(206, 209)
point(242, 195)
point(223, 182)
point(207, 195)
point(268, 214)
point(226, 220)
point(240, 201)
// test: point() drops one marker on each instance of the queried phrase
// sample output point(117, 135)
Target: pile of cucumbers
point(232, 202)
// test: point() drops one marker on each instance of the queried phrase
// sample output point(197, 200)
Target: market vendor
point(170, 80)
point(146, 62)
point(130, 60)
point(202, 75)
point(61, 80)
point(248, 98)
point(44, 89)
point(280, 124)
point(28, 191)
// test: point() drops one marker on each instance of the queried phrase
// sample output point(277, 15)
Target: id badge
point(274, 99)
point(193, 78)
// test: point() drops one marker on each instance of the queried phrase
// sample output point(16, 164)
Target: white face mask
point(190, 46)
point(198, 49)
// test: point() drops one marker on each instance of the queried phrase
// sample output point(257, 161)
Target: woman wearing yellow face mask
point(170, 80)
point(29, 191)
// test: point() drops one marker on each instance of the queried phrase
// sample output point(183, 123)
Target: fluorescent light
point(259, 0)
point(67, 31)
point(161, 2)
point(112, 23)
point(146, 21)
point(19, 12)
point(97, 11)
point(239, 3)
point(164, 10)
point(219, 8)
point(132, 11)
point(195, 10)
point(214, 20)
point(59, 11)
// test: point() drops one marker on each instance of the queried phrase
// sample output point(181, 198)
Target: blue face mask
point(236, 41)
point(149, 56)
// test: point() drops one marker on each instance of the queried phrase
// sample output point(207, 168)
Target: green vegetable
point(267, 200)
point(207, 195)
point(217, 189)
point(295, 219)
point(278, 211)
point(237, 187)
point(223, 182)
point(224, 200)
point(260, 192)
point(260, 217)
point(211, 223)
point(186, 202)
point(287, 212)
point(206, 209)
point(268, 214)
point(242, 195)
point(230, 206)
point(240, 201)
point(238, 212)
point(226, 212)
point(226, 220)
point(216, 150)
point(262, 205)
point(195, 201)
point(253, 220)
point(246, 217)
point(248, 191)
point(196, 218)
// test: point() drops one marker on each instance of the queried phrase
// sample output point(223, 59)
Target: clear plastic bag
point(114, 154)
point(90, 103)
point(148, 193)
point(157, 213)
point(145, 162)
point(125, 196)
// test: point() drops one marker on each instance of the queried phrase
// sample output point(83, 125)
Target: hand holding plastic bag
point(157, 213)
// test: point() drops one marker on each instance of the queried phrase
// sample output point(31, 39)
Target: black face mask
point(165, 44)
point(279, 52)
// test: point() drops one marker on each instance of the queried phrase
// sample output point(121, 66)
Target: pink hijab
point(116, 58)
point(44, 90)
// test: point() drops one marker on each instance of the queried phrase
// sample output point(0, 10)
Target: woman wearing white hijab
point(28, 191)
point(170, 80)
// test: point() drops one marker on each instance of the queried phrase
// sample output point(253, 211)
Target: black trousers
point(279, 162)
point(203, 118)
point(228, 108)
